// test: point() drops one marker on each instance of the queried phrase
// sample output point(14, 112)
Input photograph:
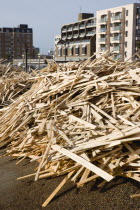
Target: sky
point(46, 17)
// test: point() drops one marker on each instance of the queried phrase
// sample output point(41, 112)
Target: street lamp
point(64, 42)
point(23, 56)
point(39, 61)
point(26, 57)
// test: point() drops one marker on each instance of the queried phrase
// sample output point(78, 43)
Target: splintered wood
point(81, 120)
point(13, 82)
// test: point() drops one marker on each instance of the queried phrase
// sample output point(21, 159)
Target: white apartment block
point(118, 31)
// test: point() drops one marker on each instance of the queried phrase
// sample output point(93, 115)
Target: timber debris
point(81, 120)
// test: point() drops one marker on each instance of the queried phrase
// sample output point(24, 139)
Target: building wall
point(77, 35)
point(13, 42)
point(125, 45)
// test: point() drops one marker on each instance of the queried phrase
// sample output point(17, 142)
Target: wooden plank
point(84, 163)
point(57, 189)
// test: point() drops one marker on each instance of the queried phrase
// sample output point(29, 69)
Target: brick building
point(13, 41)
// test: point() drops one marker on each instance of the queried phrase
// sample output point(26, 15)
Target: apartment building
point(118, 31)
point(14, 41)
point(78, 40)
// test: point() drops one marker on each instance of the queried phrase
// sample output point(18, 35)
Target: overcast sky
point(47, 16)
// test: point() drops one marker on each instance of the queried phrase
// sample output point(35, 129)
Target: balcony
point(117, 28)
point(64, 37)
point(116, 48)
point(103, 20)
point(75, 27)
point(70, 29)
point(102, 39)
point(82, 34)
point(91, 32)
point(69, 36)
point(75, 35)
point(102, 49)
point(117, 17)
point(64, 30)
point(82, 26)
point(102, 30)
point(117, 38)
point(91, 24)
point(117, 57)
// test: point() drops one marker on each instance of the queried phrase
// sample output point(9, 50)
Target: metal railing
point(91, 24)
point(117, 17)
point(64, 30)
point(102, 20)
point(117, 48)
point(82, 26)
point(117, 28)
point(91, 32)
point(69, 29)
point(116, 38)
point(76, 27)
point(102, 39)
point(75, 35)
point(103, 30)
point(102, 49)
point(117, 57)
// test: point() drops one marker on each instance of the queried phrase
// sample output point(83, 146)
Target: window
point(126, 33)
point(138, 21)
point(71, 50)
point(125, 54)
point(138, 32)
point(84, 50)
point(126, 23)
point(138, 11)
point(126, 12)
point(125, 44)
point(77, 50)
point(65, 51)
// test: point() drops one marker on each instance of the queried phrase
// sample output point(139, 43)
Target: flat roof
point(92, 18)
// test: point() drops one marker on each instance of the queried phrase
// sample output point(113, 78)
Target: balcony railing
point(75, 35)
point(117, 17)
point(76, 27)
point(102, 20)
point(82, 34)
point(117, 28)
point(117, 48)
point(103, 29)
point(82, 26)
point(91, 24)
point(69, 29)
point(102, 39)
point(63, 37)
point(117, 57)
point(64, 30)
point(116, 38)
point(69, 36)
point(102, 49)
point(90, 32)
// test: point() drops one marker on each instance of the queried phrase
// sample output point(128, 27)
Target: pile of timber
point(14, 81)
point(81, 120)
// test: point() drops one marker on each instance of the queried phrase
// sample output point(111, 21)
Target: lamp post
point(64, 43)
point(39, 61)
point(26, 57)
point(23, 56)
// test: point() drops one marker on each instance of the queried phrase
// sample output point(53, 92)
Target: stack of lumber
point(13, 82)
point(78, 119)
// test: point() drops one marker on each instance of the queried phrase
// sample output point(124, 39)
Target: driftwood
point(78, 119)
